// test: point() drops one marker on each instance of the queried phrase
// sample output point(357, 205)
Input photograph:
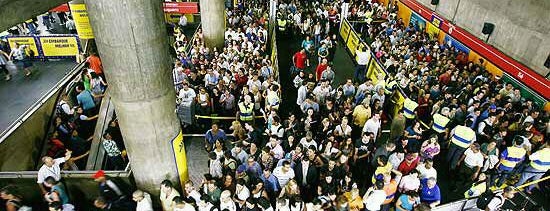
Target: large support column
point(132, 42)
point(213, 22)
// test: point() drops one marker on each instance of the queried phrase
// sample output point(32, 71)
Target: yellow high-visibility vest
point(245, 112)
point(390, 87)
point(440, 122)
point(282, 24)
point(408, 108)
point(542, 162)
point(463, 136)
point(515, 155)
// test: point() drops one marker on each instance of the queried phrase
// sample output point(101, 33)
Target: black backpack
point(485, 198)
point(61, 113)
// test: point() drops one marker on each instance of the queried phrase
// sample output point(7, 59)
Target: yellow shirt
point(356, 203)
point(382, 170)
point(360, 115)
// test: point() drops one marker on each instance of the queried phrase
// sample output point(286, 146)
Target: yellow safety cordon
point(220, 117)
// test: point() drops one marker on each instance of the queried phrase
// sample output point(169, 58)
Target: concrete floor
point(18, 94)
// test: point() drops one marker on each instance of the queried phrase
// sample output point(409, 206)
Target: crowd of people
point(330, 152)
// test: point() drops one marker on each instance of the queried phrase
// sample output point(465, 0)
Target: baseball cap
point(99, 174)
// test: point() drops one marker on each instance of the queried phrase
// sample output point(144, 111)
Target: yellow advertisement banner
point(59, 46)
point(344, 30)
point(28, 41)
point(404, 12)
point(82, 22)
point(178, 145)
point(375, 71)
point(353, 42)
point(432, 30)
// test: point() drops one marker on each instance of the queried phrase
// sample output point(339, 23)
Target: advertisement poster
point(59, 46)
point(417, 22)
point(26, 40)
point(344, 30)
point(455, 43)
point(82, 22)
point(353, 42)
point(432, 30)
point(178, 146)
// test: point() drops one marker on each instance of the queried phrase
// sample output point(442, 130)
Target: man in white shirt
point(373, 125)
point(375, 196)
point(426, 169)
point(284, 173)
point(363, 57)
point(499, 199)
point(470, 168)
point(51, 168)
point(186, 94)
point(143, 201)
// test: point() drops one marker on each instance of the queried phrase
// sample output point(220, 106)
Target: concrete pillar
point(213, 22)
point(133, 45)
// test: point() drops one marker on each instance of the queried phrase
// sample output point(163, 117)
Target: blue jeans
point(502, 176)
point(532, 174)
point(455, 152)
point(360, 73)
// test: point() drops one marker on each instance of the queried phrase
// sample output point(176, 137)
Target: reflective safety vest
point(408, 108)
point(513, 157)
point(245, 112)
point(390, 87)
point(542, 162)
point(463, 136)
point(273, 99)
point(282, 24)
point(440, 122)
point(391, 190)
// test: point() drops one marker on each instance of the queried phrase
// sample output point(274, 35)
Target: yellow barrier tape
point(221, 117)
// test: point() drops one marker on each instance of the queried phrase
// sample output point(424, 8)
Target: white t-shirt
point(54, 171)
point(372, 126)
point(362, 57)
point(374, 200)
point(472, 158)
point(426, 173)
point(283, 177)
point(496, 202)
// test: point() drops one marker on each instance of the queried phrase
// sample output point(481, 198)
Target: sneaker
point(7, 78)
point(28, 73)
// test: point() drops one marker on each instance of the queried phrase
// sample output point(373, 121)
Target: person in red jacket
point(320, 68)
point(300, 60)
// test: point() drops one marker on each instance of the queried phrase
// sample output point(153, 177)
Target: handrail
point(191, 41)
point(66, 174)
point(97, 155)
point(34, 107)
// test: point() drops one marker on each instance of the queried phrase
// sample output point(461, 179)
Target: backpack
point(485, 198)
point(61, 113)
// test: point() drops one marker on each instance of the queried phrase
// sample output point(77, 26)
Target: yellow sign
point(59, 46)
point(28, 41)
point(81, 20)
point(375, 71)
point(344, 30)
point(353, 42)
point(178, 145)
point(432, 29)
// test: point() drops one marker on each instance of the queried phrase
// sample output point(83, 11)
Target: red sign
point(181, 7)
point(515, 69)
point(61, 8)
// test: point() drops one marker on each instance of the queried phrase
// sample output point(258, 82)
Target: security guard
point(462, 136)
point(509, 159)
point(440, 121)
point(390, 87)
point(281, 23)
point(540, 163)
point(408, 107)
point(246, 110)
